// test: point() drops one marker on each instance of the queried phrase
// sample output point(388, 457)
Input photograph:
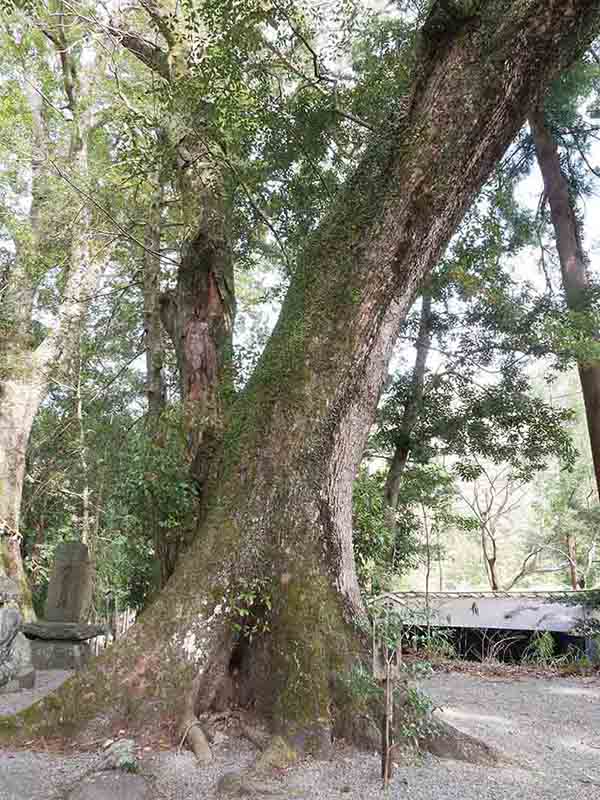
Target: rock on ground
point(112, 786)
point(121, 755)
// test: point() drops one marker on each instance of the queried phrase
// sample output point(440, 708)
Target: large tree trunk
point(264, 605)
point(22, 382)
point(198, 316)
point(573, 263)
point(199, 313)
point(166, 544)
point(20, 397)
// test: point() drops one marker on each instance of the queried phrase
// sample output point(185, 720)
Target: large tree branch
point(147, 52)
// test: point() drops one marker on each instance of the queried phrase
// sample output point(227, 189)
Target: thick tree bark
point(21, 373)
point(263, 607)
point(411, 412)
point(199, 313)
point(573, 263)
point(198, 316)
point(20, 397)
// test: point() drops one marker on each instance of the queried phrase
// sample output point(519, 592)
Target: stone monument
point(61, 640)
point(71, 584)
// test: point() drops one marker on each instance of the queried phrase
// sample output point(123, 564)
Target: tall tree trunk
point(199, 313)
point(155, 384)
point(25, 372)
point(21, 370)
point(198, 316)
point(166, 541)
point(263, 607)
point(411, 413)
point(573, 264)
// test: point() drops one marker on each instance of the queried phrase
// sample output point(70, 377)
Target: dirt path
point(550, 729)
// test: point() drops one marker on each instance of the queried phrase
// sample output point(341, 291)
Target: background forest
point(159, 174)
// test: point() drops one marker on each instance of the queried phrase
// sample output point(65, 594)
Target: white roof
point(529, 611)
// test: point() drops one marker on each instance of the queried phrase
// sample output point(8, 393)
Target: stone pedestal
point(59, 655)
point(60, 645)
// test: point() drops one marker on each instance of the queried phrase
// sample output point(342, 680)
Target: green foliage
point(250, 604)
point(566, 507)
point(361, 685)
point(419, 721)
point(383, 57)
point(499, 418)
point(436, 643)
point(377, 551)
point(541, 650)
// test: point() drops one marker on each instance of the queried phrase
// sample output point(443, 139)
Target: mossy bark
point(264, 607)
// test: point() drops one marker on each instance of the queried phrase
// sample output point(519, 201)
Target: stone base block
point(47, 654)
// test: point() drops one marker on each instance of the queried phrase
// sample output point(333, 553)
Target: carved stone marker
point(70, 588)
point(16, 669)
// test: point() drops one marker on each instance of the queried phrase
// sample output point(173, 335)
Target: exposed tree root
point(256, 735)
point(192, 733)
point(446, 741)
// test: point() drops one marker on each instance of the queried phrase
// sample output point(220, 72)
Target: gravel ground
point(549, 728)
